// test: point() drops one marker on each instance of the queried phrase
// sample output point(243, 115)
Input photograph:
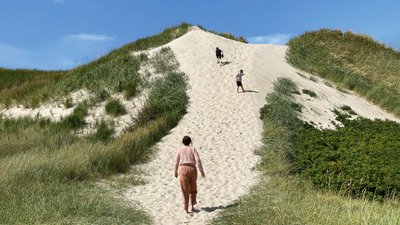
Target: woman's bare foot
point(195, 210)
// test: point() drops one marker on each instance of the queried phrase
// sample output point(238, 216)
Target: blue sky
point(60, 34)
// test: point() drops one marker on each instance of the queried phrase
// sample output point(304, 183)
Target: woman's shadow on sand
point(248, 91)
point(213, 208)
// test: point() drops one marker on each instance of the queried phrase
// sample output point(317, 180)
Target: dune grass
point(282, 197)
point(354, 62)
point(114, 71)
point(104, 131)
point(309, 92)
point(47, 173)
point(64, 203)
point(25, 135)
point(115, 108)
point(61, 168)
point(225, 35)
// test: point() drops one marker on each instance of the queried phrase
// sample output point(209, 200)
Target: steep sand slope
point(225, 125)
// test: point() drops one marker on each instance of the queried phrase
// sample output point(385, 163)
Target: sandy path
point(225, 126)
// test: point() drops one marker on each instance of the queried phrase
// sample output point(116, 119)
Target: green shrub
point(77, 119)
point(143, 57)
point(309, 92)
point(348, 109)
point(101, 95)
point(358, 159)
point(341, 116)
point(115, 108)
point(68, 102)
point(131, 89)
point(103, 133)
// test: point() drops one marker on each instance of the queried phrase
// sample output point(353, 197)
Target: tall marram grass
point(284, 198)
point(47, 172)
point(26, 134)
point(112, 71)
point(64, 203)
point(82, 160)
point(354, 62)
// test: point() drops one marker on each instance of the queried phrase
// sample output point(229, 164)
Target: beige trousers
point(188, 180)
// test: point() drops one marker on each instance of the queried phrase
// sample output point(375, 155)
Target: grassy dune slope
point(112, 71)
point(354, 62)
point(47, 173)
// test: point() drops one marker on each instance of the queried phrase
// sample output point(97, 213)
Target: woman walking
point(187, 158)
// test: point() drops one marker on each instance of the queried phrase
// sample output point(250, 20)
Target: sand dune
point(225, 125)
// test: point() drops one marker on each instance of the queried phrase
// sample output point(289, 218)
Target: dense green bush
point(361, 158)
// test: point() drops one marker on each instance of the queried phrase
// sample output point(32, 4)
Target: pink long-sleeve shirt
point(188, 155)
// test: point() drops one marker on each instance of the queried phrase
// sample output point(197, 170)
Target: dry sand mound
point(225, 125)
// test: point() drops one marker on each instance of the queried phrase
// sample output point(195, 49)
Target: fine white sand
point(225, 125)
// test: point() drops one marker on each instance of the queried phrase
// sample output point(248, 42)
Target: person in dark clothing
point(219, 54)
